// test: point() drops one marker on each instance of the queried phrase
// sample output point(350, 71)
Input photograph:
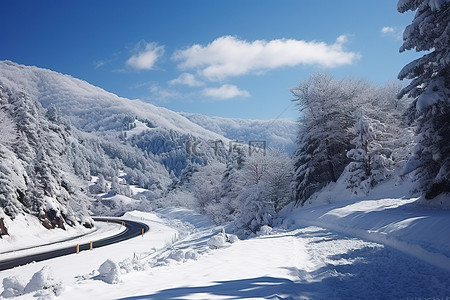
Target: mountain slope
point(278, 133)
point(58, 131)
point(88, 107)
point(35, 172)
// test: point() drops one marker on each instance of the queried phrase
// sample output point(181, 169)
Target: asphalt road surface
point(133, 229)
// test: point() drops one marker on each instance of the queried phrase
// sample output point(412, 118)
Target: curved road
point(133, 229)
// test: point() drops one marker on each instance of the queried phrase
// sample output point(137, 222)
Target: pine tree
point(115, 187)
point(430, 86)
point(371, 162)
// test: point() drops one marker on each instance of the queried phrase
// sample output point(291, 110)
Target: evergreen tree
point(371, 162)
point(430, 86)
point(115, 187)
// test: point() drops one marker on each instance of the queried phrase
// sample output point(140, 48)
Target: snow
point(86, 105)
point(221, 240)
point(42, 285)
point(401, 223)
point(296, 261)
point(109, 272)
point(12, 287)
point(43, 280)
point(140, 127)
point(264, 230)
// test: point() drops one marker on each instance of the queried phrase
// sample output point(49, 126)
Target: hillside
point(278, 133)
point(58, 131)
point(38, 155)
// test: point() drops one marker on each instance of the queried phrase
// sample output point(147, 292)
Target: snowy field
point(184, 256)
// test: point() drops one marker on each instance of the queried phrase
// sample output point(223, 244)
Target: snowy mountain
point(58, 131)
point(278, 133)
point(90, 108)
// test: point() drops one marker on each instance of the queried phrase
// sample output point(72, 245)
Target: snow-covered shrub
point(176, 198)
point(109, 272)
point(191, 254)
point(217, 241)
point(44, 283)
point(177, 255)
point(181, 255)
point(264, 230)
point(12, 287)
point(231, 238)
point(221, 240)
point(132, 265)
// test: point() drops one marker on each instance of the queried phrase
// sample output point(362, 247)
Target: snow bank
point(397, 222)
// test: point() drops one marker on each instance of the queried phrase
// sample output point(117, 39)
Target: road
point(133, 229)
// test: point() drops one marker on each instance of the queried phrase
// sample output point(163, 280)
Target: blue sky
point(220, 58)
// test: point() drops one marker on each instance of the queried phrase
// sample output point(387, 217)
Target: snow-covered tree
point(430, 87)
point(253, 210)
point(33, 165)
point(115, 186)
point(8, 133)
point(207, 184)
point(53, 113)
point(326, 106)
point(231, 181)
point(277, 179)
point(371, 162)
point(264, 182)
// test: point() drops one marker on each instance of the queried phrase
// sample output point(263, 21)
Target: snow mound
point(221, 240)
point(12, 287)
point(44, 283)
point(109, 272)
point(264, 230)
point(181, 255)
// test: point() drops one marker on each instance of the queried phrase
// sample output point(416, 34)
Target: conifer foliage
point(430, 87)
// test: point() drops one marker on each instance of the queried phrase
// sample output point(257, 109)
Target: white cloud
point(391, 31)
point(146, 55)
point(159, 94)
point(100, 63)
point(387, 30)
point(186, 79)
point(229, 56)
point(226, 91)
